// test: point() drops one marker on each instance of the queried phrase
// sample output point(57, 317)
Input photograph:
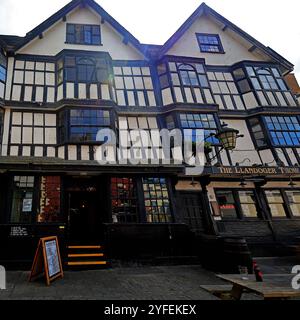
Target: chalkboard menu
point(47, 260)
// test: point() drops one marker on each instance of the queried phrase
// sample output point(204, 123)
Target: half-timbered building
point(80, 71)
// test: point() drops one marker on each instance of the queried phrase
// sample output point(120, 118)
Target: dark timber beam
point(225, 27)
point(252, 49)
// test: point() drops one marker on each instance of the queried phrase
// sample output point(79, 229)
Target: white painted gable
point(54, 38)
point(235, 49)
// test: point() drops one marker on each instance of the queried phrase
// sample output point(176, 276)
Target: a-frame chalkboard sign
point(47, 261)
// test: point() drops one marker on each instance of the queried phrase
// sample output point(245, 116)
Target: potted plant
point(207, 147)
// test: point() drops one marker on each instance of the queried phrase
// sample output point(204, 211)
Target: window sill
point(85, 44)
point(220, 52)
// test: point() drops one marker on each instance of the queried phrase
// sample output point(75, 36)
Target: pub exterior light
point(228, 138)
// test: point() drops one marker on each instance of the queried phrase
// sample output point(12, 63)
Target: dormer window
point(210, 43)
point(83, 34)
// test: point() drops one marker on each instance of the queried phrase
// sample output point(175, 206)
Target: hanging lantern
point(228, 138)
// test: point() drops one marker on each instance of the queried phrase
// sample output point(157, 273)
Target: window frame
point(219, 45)
point(82, 34)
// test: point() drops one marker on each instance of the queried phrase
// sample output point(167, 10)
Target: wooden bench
point(275, 286)
point(221, 291)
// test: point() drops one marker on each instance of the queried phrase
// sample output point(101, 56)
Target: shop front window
point(294, 201)
point(276, 203)
point(226, 203)
point(22, 210)
point(124, 200)
point(157, 201)
point(49, 200)
point(248, 203)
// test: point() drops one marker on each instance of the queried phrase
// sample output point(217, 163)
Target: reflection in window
point(157, 201)
point(124, 200)
point(276, 203)
point(49, 200)
point(196, 122)
point(294, 201)
point(285, 131)
point(82, 125)
point(226, 203)
point(85, 124)
point(22, 202)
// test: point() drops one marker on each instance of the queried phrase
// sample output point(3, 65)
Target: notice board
point(47, 260)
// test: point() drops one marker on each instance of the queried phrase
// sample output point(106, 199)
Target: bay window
point(187, 80)
point(284, 130)
point(267, 82)
point(84, 69)
point(196, 122)
point(82, 125)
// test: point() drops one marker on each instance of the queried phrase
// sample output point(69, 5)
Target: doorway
point(190, 207)
point(87, 209)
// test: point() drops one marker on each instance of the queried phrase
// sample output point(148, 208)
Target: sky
point(274, 23)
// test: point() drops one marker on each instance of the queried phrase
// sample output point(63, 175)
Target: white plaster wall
point(234, 49)
point(245, 148)
point(55, 38)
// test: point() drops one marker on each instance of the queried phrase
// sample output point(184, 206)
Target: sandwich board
point(47, 261)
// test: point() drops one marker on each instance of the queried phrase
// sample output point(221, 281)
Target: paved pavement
point(130, 283)
point(135, 283)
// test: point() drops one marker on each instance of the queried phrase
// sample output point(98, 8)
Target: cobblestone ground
point(130, 283)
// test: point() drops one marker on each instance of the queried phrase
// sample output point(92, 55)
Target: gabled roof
point(10, 41)
point(151, 51)
point(128, 37)
point(205, 9)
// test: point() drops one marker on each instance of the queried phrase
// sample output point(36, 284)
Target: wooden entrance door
point(190, 209)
